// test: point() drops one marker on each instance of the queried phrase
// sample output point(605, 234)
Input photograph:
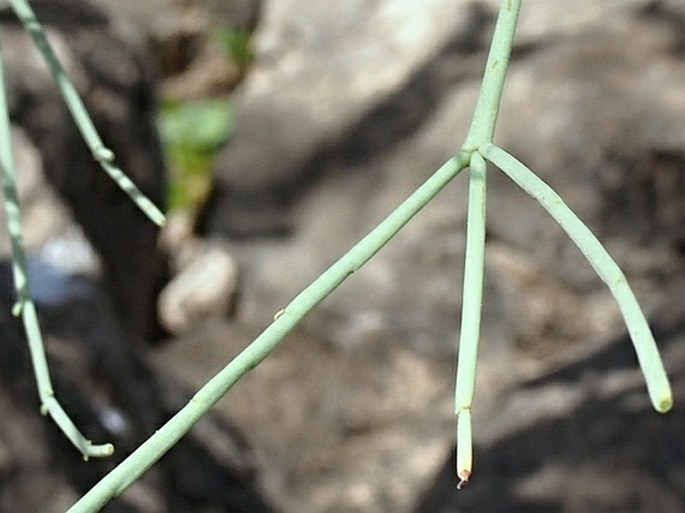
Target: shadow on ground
point(609, 453)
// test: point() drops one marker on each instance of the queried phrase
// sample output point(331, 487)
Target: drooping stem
point(606, 268)
point(24, 305)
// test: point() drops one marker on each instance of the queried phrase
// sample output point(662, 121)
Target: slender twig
point(476, 149)
point(490, 96)
point(481, 131)
point(165, 437)
point(100, 152)
point(24, 306)
point(647, 352)
point(471, 314)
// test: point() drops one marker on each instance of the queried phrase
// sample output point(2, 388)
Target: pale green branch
point(165, 437)
point(648, 355)
point(490, 95)
point(477, 147)
point(24, 305)
point(100, 152)
point(471, 314)
point(481, 131)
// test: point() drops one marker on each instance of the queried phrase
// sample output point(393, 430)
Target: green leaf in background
point(236, 43)
point(192, 133)
point(203, 125)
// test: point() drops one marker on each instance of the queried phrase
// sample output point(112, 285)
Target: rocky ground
point(345, 109)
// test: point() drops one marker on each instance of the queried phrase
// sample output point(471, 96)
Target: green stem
point(658, 386)
point(471, 313)
point(100, 152)
point(487, 107)
point(24, 305)
point(481, 131)
point(158, 444)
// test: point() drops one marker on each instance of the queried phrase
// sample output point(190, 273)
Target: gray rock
point(327, 81)
point(203, 287)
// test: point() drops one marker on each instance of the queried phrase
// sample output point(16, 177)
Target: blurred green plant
point(191, 133)
point(237, 43)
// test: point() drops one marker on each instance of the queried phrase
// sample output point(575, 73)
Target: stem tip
point(463, 476)
point(665, 404)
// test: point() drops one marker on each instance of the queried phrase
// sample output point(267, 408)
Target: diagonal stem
point(78, 111)
point(285, 321)
point(487, 106)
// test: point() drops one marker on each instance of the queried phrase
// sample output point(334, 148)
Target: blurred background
point(276, 133)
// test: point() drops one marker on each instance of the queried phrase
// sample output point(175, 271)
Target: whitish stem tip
point(463, 476)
